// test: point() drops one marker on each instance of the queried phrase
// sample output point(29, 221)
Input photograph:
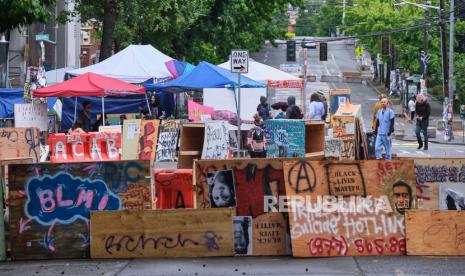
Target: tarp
point(134, 64)
point(267, 74)
point(113, 105)
point(89, 84)
point(204, 75)
point(11, 96)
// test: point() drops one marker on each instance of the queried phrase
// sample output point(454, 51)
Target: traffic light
point(290, 51)
point(385, 51)
point(323, 51)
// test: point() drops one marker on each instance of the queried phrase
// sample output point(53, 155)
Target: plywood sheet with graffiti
point(19, 143)
point(435, 232)
point(255, 181)
point(436, 177)
point(285, 138)
point(173, 189)
point(348, 208)
point(148, 140)
point(50, 204)
point(161, 233)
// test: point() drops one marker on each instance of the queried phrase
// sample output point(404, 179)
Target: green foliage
point(194, 29)
point(16, 13)
point(320, 22)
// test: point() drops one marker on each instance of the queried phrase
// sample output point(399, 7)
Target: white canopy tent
point(134, 64)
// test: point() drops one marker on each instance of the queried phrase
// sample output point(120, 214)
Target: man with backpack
point(293, 111)
point(256, 142)
point(264, 109)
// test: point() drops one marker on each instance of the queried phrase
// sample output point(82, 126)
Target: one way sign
point(239, 61)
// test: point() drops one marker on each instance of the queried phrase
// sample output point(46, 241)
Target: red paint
point(388, 167)
point(174, 189)
point(146, 142)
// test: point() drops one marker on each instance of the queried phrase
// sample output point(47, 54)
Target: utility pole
point(450, 110)
point(445, 71)
point(425, 30)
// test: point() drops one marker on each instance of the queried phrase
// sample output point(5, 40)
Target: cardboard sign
point(197, 110)
point(50, 204)
point(348, 208)
point(148, 140)
point(167, 140)
point(85, 147)
point(343, 149)
point(161, 233)
point(131, 134)
point(285, 138)
point(31, 115)
point(435, 232)
point(216, 141)
point(19, 143)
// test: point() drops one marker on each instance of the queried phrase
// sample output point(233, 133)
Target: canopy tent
point(269, 75)
point(90, 84)
point(204, 75)
point(134, 64)
point(11, 96)
point(56, 76)
point(113, 105)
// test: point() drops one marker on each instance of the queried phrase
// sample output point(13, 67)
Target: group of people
point(383, 123)
point(256, 143)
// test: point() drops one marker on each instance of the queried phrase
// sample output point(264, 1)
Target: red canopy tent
point(90, 84)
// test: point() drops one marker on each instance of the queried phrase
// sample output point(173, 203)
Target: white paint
point(60, 148)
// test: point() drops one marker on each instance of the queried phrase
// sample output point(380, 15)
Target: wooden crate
point(314, 136)
point(191, 144)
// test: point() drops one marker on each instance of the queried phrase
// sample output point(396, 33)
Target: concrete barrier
point(329, 78)
point(353, 79)
point(456, 126)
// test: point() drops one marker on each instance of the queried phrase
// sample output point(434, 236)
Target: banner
point(196, 110)
point(31, 115)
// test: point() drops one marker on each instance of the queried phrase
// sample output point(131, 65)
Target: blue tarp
point(204, 75)
point(113, 105)
point(11, 96)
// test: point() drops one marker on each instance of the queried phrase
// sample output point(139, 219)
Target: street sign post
point(42, 37)
point(239, 64)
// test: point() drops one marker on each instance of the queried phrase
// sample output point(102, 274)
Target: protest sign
point(216, 141)
point(31, 115)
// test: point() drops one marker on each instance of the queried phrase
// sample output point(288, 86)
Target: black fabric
point(423, 110)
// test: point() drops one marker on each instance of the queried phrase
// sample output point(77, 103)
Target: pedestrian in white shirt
point(316, 109)
point(411, 108)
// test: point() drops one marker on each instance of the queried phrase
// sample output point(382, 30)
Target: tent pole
point(103, 111)
point(75, 109)
point(148, 105)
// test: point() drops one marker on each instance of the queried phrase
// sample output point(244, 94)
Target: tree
point(321, 21)
point(16, 13)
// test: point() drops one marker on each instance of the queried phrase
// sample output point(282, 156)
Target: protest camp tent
point(56, 76)
point(90, 84)
point(134, 64)
point(217, 84)
point(11, 96)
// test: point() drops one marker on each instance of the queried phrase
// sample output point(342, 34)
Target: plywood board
point(167, 140)
point(431, 174)
point(50, 203)
point(340, 148)
point(285, 138)
point(314, 136)
point(255, 179)
point(342, 229)
point(343, 126)
point(161, 233)
point(130, 139)
point(19, 143)
point(435, 232)
point(148, 140)
point(173, 189)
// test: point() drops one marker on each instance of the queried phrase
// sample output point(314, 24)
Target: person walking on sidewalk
point(411, 108)
point(384, 129)
point(376, 108)
point(422, 110)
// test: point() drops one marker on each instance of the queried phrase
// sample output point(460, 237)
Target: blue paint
point(285, 138)
point(62, 198)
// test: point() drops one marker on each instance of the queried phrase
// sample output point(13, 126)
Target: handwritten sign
point(334, 213)
point(31, 115)
point(285, 138)
point(197, 110)
point(340, 148)
point(162, 233)
point(19, 143)
point(131, 133)
point(167, 140)
point(148, 139)
point(216, 141)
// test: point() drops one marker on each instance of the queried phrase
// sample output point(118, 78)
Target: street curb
point(432, 141)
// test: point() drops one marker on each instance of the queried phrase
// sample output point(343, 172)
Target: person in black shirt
point(84, 118)
point(423, 111)
point(293, 111)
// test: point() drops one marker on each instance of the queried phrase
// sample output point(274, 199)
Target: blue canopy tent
point(113, 105)
point(11, 96)
point(204, 75)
